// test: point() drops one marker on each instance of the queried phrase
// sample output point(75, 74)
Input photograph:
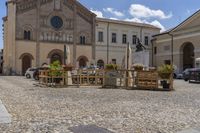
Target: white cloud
point(158, 24)
point(141, 11)
point(98, 13)
point(154, 23)
point(113, 11)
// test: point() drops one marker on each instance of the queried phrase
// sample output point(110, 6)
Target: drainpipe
point(141, 39)
point(172, 47)
point(108, 42)
point(152, 49)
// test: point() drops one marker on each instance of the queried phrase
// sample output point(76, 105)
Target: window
point(114, 38)
point(82, 40)
point(100, 36)
point(146, 40)
point(134, 39)
point(167, 62)
point(124, 38)
point(27, 35)
point(114, 61)
point(155, 50)
point(56, 22)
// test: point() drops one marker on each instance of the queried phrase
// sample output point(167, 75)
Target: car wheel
point(28, 76)
point(174, 76)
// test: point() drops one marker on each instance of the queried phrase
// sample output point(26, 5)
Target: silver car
point(29, 73)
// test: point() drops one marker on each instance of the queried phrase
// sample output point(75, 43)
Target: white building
point(112, 37)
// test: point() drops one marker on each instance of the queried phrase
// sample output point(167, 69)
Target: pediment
point(191, 23)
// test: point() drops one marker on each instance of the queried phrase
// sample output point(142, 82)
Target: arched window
point(82, 40)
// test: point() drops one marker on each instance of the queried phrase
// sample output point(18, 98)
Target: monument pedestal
point(141, 57)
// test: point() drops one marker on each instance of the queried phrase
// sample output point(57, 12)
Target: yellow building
point(180, 45)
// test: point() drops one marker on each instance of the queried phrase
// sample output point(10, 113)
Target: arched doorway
point(188, 55)
point(26, 62)
point(82, 60)
point(56, 55)
point(100, 63)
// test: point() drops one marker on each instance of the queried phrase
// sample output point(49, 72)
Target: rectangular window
point(114, 61)
point(124, 38)
point(155, 50)
point(134, 39)
point(100, 36)
point(167, 62)
point(146, 40)
point(114, 38)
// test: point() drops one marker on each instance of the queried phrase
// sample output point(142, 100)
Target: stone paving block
point(190, 131)
point(89, 129)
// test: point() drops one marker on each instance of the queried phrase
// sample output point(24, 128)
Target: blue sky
point(163, 13)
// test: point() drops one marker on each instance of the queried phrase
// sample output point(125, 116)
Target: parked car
point(186, 73)
point(29, 73)
point(36, 73)
point(179, 76)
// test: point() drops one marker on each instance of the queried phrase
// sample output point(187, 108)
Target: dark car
point(186, 73)
point(36, 73)
point(194, 76)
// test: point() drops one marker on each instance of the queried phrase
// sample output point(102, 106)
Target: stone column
point(11, 40)
point(74, 34)
point(38, 34)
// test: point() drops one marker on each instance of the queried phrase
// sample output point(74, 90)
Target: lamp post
point(127, 63)
point(65, 54)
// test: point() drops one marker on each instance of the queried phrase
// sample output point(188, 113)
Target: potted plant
point(56, 71)
point(138, 67)
point(165, 72)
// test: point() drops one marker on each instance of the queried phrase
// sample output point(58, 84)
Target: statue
point(139, 46)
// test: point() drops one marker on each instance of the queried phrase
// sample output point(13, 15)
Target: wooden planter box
point(110, 79)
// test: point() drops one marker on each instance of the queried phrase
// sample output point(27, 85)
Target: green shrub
point(111, 66)
point(55, 69)
point(165, 71)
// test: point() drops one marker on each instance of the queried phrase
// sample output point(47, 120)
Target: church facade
point(35, 32)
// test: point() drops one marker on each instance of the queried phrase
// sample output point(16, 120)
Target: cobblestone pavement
point(54, 110)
